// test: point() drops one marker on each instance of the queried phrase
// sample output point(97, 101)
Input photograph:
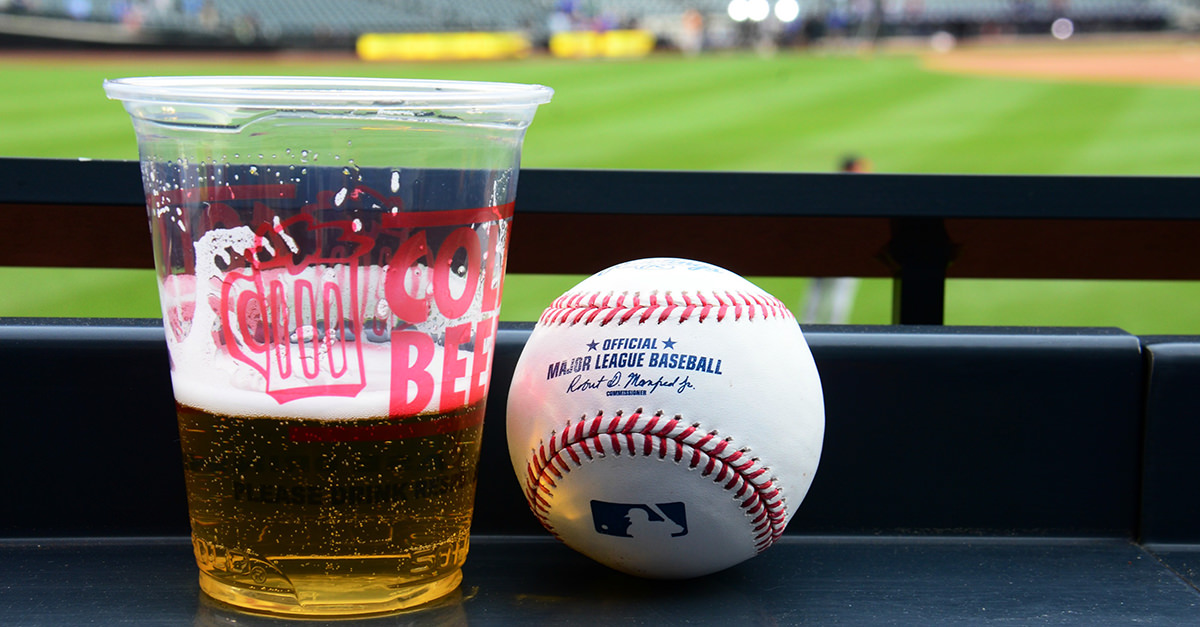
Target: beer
point(341, 516)
point(330, 363)
point(330, 254)
point(330, 393)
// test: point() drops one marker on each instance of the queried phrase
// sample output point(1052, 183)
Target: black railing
point(917, 229)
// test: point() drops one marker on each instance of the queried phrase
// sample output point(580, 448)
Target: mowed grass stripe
point(906, 129)
point(781, 125)
point(94, 137)
point(666, 120)
point(1139, 307)
point(760, 120)
point(1050, 132)
point(1155, 134)
point(83, 292)
point(1020, 128)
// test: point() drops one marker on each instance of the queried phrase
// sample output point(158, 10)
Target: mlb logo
point(640, 520)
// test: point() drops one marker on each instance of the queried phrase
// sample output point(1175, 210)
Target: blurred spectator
point(691, 41)
point(14, 6)
point(558, 22)
point(79, 9)
point(210, 18)
point(831, 299)
point(854, 163)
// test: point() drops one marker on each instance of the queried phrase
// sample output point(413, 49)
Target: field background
point(791, 111)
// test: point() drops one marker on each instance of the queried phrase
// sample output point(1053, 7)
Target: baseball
point(666, 418)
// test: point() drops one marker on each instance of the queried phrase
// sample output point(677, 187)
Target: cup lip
point(323, 92)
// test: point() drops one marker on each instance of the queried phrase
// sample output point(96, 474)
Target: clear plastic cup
point(330, 257)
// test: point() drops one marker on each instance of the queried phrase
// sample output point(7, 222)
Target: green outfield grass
point(721, 112)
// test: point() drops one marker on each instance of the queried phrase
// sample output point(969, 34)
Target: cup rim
point(322, 92)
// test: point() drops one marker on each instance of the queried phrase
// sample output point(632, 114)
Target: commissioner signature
point(634, 382)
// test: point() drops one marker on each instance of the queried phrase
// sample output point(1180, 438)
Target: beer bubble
point(305, 333)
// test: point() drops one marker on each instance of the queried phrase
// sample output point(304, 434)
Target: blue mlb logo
point(640, 520)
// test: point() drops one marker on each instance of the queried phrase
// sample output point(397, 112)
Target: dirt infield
point(1174, 65)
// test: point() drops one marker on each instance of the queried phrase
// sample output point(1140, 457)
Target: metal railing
point(917, 229)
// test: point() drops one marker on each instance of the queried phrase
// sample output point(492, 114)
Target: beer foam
point(227, 386)
point(330, 356)
point(230, 388)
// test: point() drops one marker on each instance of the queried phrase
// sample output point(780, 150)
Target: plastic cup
point(330, 254)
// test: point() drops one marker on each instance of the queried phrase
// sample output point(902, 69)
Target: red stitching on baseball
point(745, 478)
point(605, 309)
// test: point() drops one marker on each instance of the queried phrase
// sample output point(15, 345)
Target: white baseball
point(666, 418)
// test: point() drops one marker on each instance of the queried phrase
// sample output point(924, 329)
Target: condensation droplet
point(340, 197)
point(395, 181)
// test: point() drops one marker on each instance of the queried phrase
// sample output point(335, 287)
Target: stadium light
point(758, 10)
point(787, 11)
point(1062, 28)
point(739, 10)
